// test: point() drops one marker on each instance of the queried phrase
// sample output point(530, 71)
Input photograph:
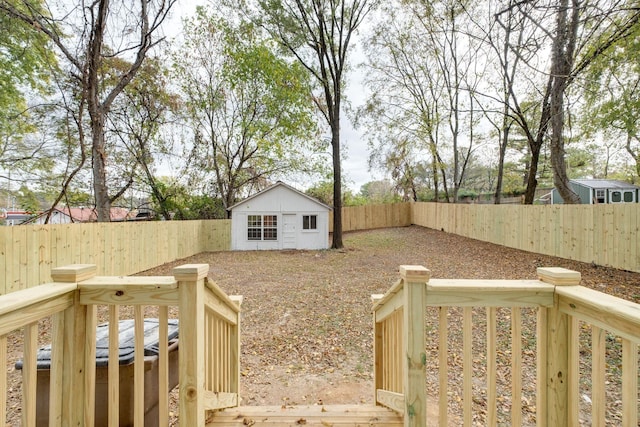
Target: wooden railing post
point(73, 365)
point(555, 354)
point(415, 279)
point(190, 280)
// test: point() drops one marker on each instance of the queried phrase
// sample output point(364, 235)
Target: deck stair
point(307, 415)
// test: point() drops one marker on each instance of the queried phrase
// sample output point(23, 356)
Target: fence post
point(415, 278)
point(554, 354)
point(190, 278)
point(72, 388)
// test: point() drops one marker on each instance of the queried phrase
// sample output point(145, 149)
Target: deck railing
point(509, 330)
point(208, 319)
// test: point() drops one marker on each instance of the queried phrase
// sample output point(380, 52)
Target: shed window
point(310, 222)
point(254, 227)
point(600, 196)
point(262, 227)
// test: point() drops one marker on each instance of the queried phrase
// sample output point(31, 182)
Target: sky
point(355, 156)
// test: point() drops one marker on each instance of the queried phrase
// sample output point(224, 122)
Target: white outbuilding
point(279, 217)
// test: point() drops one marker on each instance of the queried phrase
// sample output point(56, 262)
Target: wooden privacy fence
point(603, 234)
point(581, 344)
point(208, 347)
point(29, 252)
point(374, 216)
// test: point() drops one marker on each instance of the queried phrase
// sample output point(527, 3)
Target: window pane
point(309, 222)
point(254, 221)
point(270, 234)
point(628, 197)
point(254, 234)
point(616, 197)
point(270, 221)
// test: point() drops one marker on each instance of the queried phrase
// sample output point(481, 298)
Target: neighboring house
point(15, 217)
point(594, 191)
point(76, 215)
point(279, 217)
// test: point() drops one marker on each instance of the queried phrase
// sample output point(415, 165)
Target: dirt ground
point(306, 328)
point(306, 315)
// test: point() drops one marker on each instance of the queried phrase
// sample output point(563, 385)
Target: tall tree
point(249, 110)
point(583, 32)
point(612, 93)
point(135, 130)
point(318, 33)
point(402, 115)
point(107, 30)
point(26, 64)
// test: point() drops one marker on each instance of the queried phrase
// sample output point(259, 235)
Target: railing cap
point(559, 276)
point(191, 272)
point(415, 273)
point(73, 273)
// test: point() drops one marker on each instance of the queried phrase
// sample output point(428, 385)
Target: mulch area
point(307, 325)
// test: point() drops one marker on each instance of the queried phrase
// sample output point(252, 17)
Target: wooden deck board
point(308, 415)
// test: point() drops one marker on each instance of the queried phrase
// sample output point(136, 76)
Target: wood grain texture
point(310, 415)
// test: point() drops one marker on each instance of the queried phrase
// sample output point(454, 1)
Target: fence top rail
point(608, 312)
point(21, 300)
point(107, 282)
point(489, 293)
point(232, 303)
point(381, 299)
point(27, 306)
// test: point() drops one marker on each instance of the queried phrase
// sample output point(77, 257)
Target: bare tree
point(101, 29)
point(318, 34)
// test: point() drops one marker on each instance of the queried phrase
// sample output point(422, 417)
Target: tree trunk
point(337, 182)
point(503, 150)
point(532, 181)
point(99, 167)
point(561, 64)
point(535, 145)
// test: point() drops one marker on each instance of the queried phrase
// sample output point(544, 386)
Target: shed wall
point(289, 209)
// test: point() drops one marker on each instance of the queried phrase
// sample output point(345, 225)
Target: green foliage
point(27, 200)
point(323, 191)
point(379, 192)
point(249, 109)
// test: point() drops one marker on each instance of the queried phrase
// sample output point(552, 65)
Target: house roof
point(89, 214)
point(276, 185)
point(605, 183)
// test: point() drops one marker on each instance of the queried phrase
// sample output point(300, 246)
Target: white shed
point(279, 217)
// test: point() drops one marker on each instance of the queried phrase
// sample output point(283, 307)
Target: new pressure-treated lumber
point(29, 252)
point(307, 415)
point(603, 234)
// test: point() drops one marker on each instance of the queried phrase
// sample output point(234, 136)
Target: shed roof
point(605, 183)
point(276, 185)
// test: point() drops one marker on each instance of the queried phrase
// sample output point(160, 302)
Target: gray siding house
point(594, 191)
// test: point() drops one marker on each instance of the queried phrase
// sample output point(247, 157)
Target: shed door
point(289, 231)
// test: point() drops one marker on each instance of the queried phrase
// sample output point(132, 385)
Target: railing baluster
point(492, 416)
point(138, 368)
point(629, 383)
point(55, 375)
point(598, 368)
point(573, 379)
point(163, 366)
point(516, 366)
point(29, 375)
point(467, 363)
point(113, 369)
point(541, 367)
point(443, 365)
point(3, 379)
